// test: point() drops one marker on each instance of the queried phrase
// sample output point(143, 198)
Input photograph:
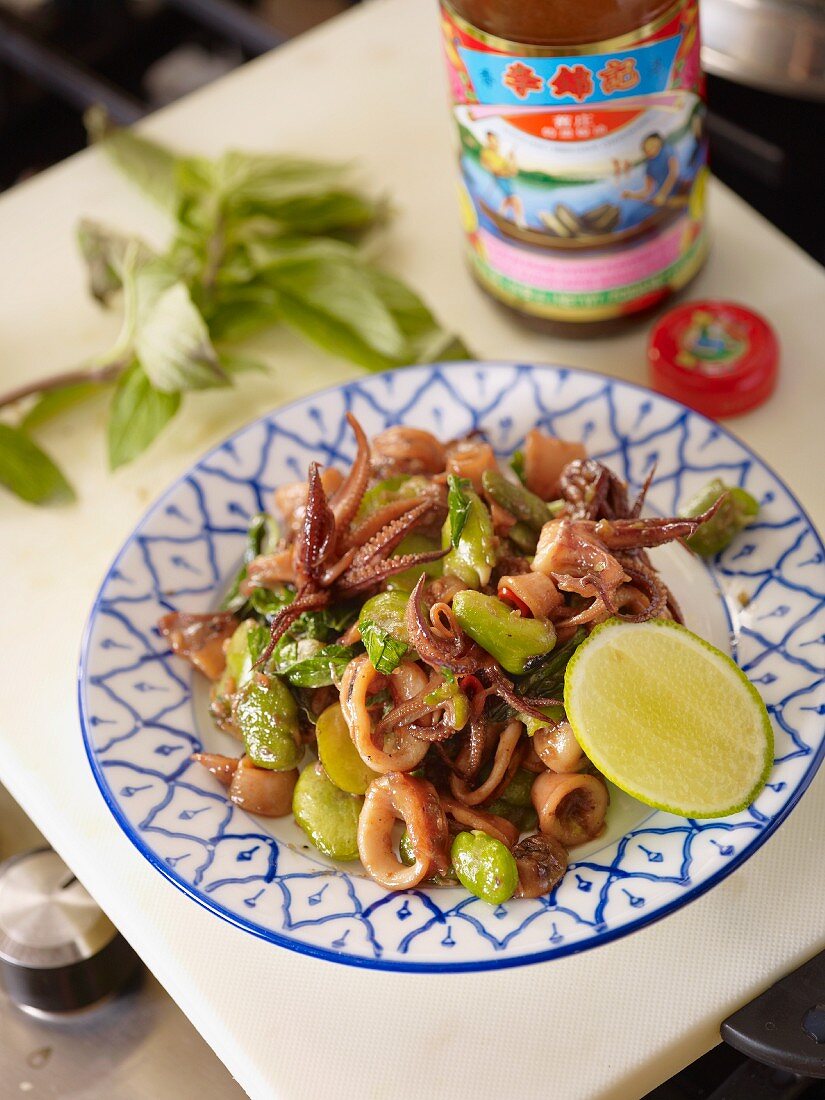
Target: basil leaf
point(544, 680)
point(261, 538)
point(53, 402)
point(426, 341)
point(170, 337)
point(147, 164)
point(138, 413)
point(261, 181)
point(268, 602)
point(385, 652)
point(257, 639)
point(28, 472)
point(338, 294)
point(458, 506)
point(234, 363)
point(308, 664)
point(325, 625)
point(323, 212)
point(105, 252)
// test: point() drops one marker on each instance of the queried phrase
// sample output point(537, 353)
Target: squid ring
point(415, 801)
point(571, 808)
point(396, 751)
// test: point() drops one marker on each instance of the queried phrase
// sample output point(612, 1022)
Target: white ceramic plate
point(143, 712)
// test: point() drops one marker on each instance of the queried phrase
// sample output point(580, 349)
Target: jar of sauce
point(582, 153)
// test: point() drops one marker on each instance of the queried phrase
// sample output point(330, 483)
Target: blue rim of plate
point(410, 966)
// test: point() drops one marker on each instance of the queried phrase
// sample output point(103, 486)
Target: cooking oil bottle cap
point(718, 357)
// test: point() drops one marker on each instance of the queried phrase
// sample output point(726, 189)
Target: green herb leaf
point(28, 472)
point(385, 652)
point(240, 312)
point(261, 538)
point(325, 625)
point(268, 602)
point(138, 413)
point(517, 466)
point(544, 680)
point(170, 337)
point(334, 304)
point(56, 401)
point(234, 363)
point(426, 341)
point(458, 506)
point(105, 252)
point(309, 664)
point(149, 165)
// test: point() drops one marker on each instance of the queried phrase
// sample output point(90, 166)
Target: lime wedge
point(669, 718)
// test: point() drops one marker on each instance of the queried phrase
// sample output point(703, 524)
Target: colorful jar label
point(583, 176)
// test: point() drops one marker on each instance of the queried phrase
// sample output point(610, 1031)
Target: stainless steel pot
point(775, 45)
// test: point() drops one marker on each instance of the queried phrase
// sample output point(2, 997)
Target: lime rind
point(723, 662)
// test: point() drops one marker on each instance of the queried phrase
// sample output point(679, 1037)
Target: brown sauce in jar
point(582, 153)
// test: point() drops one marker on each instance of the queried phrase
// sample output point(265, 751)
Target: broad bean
point(508, 637)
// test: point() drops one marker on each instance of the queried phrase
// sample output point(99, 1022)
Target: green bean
point(515, 499)
point(472, 560)
point(734, 514)
point(328, 815)
point(266, 715)
point(484, 866)
point(338, 754)
point(508, 637)
point(525, 538)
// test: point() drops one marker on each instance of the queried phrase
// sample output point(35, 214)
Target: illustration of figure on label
point(661, 172)
point(502, 166)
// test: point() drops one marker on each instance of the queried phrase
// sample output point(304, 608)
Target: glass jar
point(582, 153)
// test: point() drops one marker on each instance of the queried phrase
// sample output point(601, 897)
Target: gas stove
point(80, 1017)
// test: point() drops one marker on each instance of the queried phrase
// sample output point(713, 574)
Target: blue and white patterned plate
point(143, 712)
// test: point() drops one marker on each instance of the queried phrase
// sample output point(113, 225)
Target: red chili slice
point(508, 596)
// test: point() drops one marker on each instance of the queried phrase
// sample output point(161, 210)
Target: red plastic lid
point(717, 357)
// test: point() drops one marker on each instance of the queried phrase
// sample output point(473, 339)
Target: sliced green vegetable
point(735, 513)
point(266, 716)
point(473, 556)
point(415, 543)
point(383, 492)
point(339, 755)
point(533, 724)
point(484, 866)
point(328, 815)
point(384, 631)
point(515, 499)
point(525, 538)
point(517, 466)
point(511, 639)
